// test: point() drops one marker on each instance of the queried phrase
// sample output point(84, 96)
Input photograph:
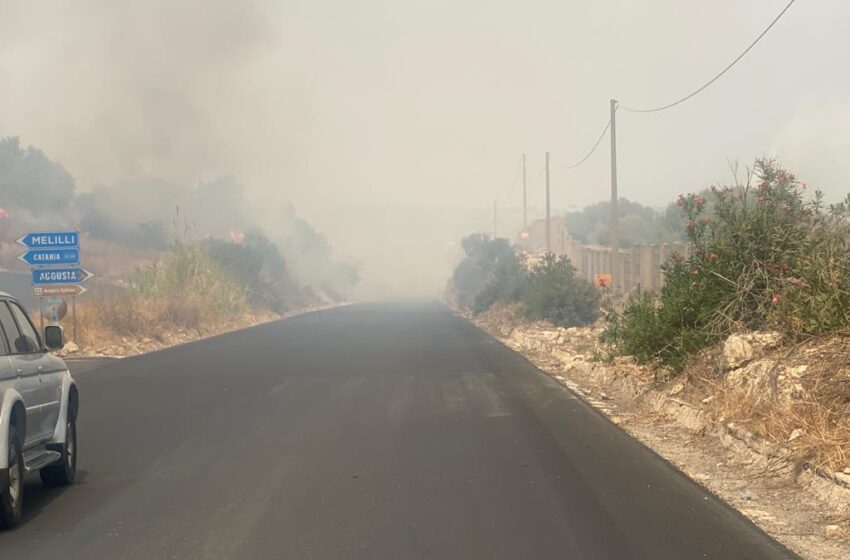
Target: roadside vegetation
point(639, 224)
point(494, 272)
point(765, 256)
point(192, 290)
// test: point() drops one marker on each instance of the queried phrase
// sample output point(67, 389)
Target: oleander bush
point(765, 257)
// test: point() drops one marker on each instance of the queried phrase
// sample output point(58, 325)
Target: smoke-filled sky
point(382, 103)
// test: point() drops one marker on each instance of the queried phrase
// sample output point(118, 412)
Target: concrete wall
point(638, 267)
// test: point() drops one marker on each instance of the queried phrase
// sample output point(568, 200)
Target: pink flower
point(680, 201)
point(761, 200)
point(712, 257)
point(705, 219)
point(763, 185)
point(699, 201)
point(776, 299)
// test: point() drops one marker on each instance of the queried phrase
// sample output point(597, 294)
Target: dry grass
point(123, 326)
point(184, 294)
point(808, 415)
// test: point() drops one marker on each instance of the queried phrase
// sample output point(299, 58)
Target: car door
point(25, 372)
point(25, 353)
point(33, 358)
point(7, 372)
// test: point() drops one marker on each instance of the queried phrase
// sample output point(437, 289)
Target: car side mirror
point(54, 337)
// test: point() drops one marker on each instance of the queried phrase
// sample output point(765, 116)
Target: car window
point(4, 346)
point(10, 329)
point(29, 341)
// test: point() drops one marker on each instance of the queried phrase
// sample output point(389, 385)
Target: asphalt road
point(376, 431)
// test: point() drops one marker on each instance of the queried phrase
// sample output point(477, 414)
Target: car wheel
point(12, 491)
point(62, 473)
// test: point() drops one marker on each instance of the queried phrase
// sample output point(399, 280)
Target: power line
point(593, 149)
point(514, 182)
point(718, 76)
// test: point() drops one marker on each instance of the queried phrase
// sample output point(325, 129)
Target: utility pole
point(495, 220)
point(614, 234)
point(524, 197)
point(548, 229)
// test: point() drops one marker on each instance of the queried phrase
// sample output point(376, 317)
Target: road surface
point(377, 431)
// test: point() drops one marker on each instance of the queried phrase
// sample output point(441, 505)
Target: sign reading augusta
point(60, 275)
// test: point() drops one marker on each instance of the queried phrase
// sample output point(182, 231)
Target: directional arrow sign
point(57, 291)
point(42, 276)
point(45, 257)
point(50, 239)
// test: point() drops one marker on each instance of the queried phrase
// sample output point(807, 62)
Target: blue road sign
point(50, 240)
point(42, 276)
point(51, 257)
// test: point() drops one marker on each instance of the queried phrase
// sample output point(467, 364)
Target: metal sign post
point(54, 258)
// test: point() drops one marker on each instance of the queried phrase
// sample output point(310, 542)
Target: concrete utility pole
point(524, 197)
point(548, 229)
point(495, 220)
point(614, 234)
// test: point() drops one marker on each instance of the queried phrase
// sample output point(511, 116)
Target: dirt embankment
point(761, 423)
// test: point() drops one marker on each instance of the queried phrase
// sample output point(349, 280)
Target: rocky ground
point(746, 421)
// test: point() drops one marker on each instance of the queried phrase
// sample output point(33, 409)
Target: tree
point(638, 224)
point(473, 273)
point(29, 180)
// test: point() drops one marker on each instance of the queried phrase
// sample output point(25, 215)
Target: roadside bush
point(188, 277)
point(478, 267)
point(257, 265)
point(554, 293)
point(506, 285)
point(765, 257)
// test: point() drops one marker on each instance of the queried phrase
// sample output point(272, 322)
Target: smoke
point(148, 89)
point(814, 144)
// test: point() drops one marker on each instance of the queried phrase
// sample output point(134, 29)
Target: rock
point(741, 348)
point(70, 348)
point(762, 341)
point(758, 378)
point(736, 352)
point(796, 434)
point(831, 531)
point(846, 470)
point(797, 371)
point(843, 478)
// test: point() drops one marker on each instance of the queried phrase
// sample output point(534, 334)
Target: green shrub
point(554, 293)
point(476, 270)
point(506, 284)
point(765, 257)
point(187, 275)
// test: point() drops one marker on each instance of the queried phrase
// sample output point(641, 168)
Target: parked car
point(38, 409)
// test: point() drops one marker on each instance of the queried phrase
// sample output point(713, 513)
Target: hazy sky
point(392, 103)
